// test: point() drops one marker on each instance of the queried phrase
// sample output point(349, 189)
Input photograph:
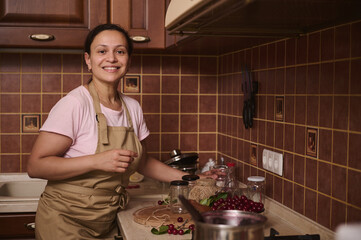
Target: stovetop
point(274, 233)
point(274, 236)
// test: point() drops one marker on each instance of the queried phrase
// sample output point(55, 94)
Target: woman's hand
point(208, 174)
point(116, 160)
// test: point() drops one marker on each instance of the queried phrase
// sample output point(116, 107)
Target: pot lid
point(178, 158)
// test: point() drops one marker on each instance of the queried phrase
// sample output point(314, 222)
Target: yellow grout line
point(160, 101)
point(318, 124)
point(1, 122)
point(348, 124)
point(294, 133)
point(21, 109)
point(179, 99)
point(198, 101)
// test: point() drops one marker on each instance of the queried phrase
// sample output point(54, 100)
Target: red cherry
point(191, 227)
point(170, 231)
point(160, 202)
point(180, 232)
point(180, 219)
point(175, 231)
point(171, 226)
point(259, 209)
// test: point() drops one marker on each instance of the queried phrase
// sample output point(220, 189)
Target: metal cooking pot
point(230, 225)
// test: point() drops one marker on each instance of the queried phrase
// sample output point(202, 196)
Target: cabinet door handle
point(30, 226)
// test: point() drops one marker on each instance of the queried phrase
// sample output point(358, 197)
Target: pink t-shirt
point(74, 116)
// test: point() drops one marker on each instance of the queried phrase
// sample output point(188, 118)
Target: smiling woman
point(88, 154)
point(109, 58)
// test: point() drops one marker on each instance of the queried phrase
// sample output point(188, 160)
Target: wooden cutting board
point(155, 216)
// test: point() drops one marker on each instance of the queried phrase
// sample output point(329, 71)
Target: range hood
point(257, 18)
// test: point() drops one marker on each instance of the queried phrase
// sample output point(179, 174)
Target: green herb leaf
point(221, 195)
point(162, 230)
point(209, 201)
point(204, 201)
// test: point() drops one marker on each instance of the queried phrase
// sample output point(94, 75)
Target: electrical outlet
point(272, 161)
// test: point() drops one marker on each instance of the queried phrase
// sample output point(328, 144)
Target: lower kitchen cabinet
point(17, 226)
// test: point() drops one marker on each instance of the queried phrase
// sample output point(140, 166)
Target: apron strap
point(127, 112)
point(99, 115)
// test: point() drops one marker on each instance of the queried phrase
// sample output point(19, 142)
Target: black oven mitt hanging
point(249, 88)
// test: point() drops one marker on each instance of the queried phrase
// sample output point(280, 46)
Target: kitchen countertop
point(131, 230)
point(284, 220)
point(148, 192)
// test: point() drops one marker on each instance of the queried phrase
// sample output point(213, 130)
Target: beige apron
point(85, 207)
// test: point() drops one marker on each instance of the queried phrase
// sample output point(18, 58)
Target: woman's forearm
point(159, 171)
point(59, 168)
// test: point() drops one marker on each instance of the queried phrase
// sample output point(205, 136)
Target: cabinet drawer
point(17, 225)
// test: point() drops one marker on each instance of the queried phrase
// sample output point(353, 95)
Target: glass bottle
point(177, 188)
point(232, 184)
point(256, 188)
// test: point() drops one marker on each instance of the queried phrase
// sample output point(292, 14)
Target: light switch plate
point(272, 161)
point(265, 159)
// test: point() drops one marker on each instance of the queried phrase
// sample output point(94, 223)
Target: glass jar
point(231, 182)
point(256, 188)
point(191, 179)
point(178, 188)
point(221, 171)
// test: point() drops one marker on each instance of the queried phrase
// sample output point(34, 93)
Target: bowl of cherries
point(227, 201)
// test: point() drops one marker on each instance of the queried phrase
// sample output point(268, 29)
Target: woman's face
point(109, 59)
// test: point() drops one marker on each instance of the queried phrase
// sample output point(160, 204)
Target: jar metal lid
point(256, 178)
point(190, 177)
point(177, 158)
point(179, 183)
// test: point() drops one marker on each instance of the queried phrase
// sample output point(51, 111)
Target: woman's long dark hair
point(93, 33)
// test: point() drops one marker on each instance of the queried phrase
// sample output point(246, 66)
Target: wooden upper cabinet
point(69, 21)
point(141, 18)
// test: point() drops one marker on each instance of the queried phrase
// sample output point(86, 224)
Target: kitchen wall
point(178, 95)
point(318, 78)
point(195, 103)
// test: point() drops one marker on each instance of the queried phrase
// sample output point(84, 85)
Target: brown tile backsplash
point(310, 204)
point(10, 82)
point(327, 44)
point(342, 41)
point(151, 64)
point(321, 87)
point(170, 84)
point(195, 103)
